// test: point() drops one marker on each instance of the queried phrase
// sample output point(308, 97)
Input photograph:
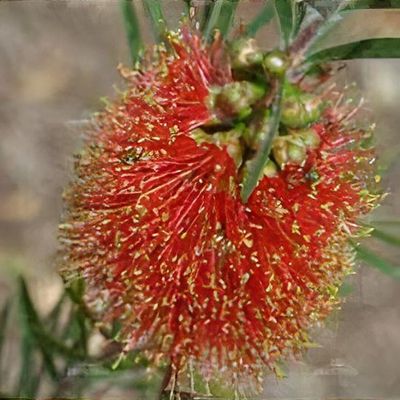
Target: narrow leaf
point(366, 4)
point(322, 30)
point(226, 16)
point(256, 165)
point(5, 312)
point(158, 24)
point(391, 223)
point(4, 315)
point(132, 29)
point(207, 9)
point(285, 15)
point(33, 328)
point(26, 386)
point(83, 333)
point(76, 329)
point(369, 48)
point(300, 11)
point(331, 20)
point(54, 314)
point(262, 18)
point(326, 8)
point(377, 262)
point(386, 237)
point(188, 5)
point(75, 290)
point(212, 18)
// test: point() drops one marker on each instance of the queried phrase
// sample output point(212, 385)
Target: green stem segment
point(132, 29)
point(257, 164)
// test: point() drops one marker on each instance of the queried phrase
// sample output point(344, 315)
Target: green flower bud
point(300, 111)
point(231, 139)
point(292, 113)
point(296, 150)
point(255, 133)
point(270, 169)
point(249, 136)
point(288, 149)
point(309, 137)
point(312, 106)
point(276, 63)
point(234, 100)
point(244, 53)
point(280, 150)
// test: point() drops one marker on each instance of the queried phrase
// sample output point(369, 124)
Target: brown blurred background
point(58, 58)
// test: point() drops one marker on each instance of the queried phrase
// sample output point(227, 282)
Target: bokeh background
point(58, 59)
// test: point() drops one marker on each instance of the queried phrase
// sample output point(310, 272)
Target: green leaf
point(83, 333)
point(378, 262)
point(206, 16)
point(220, 16)
point(262, 18)
point(365, 4)
point(75, 290)
point(5, 312)
point(256, 165)
point(132, 29)
point(226, 17)
point(76, 330)
point(4, 315)
point(212, 17)
point(369, 48)
point(188, 5)
point(26, 386)
point(322, 29)
point(290, 16)
point(285, 15)
point(158, 24)
point(325, 8)
point(386, 237)
point(32, 328)
point(391, 223)
point(300, 11)
point(54, 315)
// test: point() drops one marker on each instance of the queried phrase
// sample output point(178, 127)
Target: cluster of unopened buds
point(202, 268)
point(241, 109)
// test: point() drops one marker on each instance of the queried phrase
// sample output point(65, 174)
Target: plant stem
point(165, 381)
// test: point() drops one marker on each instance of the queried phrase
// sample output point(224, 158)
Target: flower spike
point(156, 226)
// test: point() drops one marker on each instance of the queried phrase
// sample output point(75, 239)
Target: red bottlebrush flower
point(156, 226)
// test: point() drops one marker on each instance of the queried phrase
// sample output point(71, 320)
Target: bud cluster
point(243, 107)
